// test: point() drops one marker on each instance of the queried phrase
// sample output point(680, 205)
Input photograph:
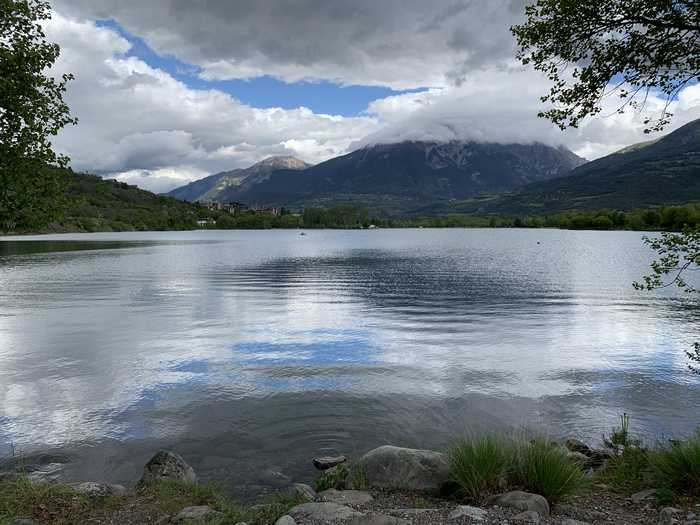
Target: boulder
point(576, 445)
point(669, 516)
point(520, 500)
point(580, 459)
point(167, 466)
point(22, 521)
point(198, 513)
point(600, 455)
point(326, 462)
point(399, 468)
point(643, 495)
point(345, 497)
point(570, 521)
point(466, 511)
point(302, 491)
point(374, 518)
point(323, 512)
point(286, 520)
point(528, 516)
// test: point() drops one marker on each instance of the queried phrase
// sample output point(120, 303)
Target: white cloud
point(135, 119)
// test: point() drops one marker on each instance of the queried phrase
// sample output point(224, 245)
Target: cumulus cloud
point(136, 120)
point(396, 43)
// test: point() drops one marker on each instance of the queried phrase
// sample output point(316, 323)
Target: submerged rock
point(520, 500)
point(326, 462)
point(167, 466)
point(576, 445)
point(405, 469)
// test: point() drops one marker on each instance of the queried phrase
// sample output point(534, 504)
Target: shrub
point(545, 469)
point(677, 465)
point(333, 478)
point(629, 470)
point(479, 466)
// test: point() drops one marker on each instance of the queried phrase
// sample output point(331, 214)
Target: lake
point(250, 352)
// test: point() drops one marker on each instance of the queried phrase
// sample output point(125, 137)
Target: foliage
point(42, 501)
point(480, 466)
point(333, 478)
point(678, 254)
point(634, 45)
point(32, 110)
point(545, 469)
point(677, 465)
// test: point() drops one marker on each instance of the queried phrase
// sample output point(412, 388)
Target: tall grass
point(545, 469)
point(677, 465)
point(480, 466)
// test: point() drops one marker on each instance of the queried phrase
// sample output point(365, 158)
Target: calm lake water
point(251, 352)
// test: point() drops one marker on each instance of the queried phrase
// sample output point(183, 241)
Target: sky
point(169, 91)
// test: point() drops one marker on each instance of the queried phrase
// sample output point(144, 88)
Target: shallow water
point(251, 351)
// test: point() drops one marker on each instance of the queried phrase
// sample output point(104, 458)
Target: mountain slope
point(665, 171)
point(222, 187)
point(397, 178)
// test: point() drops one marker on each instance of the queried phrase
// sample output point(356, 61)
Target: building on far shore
point(206, 222)
point(234, 208)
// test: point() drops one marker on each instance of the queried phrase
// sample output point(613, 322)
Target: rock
point(45, 473)
point(668, 516)
point(200, 513)
point(22, 522)
point(564, 509)
point(286, 520)
point(96, 490)
point(377, 519)
point(302, 491)
point(473, 513)
point(345, 497)
point(323, 511)
point(405, 469)
point(520, 500)
point(167, 466)
point(326, 462)
point(576, 445)
point(412, 512)
point(569, 521)
point(642, 495)
point(580, 459)
point(600, 455)
point(274, 477)
point(528, 516)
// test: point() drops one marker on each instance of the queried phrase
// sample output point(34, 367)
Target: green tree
point(591, 49)
point(678, 253)
point(32, 111)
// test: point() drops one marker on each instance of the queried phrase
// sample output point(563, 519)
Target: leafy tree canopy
point(592, 49)
point(32, 110)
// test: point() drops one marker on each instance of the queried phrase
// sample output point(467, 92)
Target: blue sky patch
point(263, 92)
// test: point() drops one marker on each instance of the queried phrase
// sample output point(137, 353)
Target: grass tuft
point(677, 465)
point(545, 469)
point(479, 466)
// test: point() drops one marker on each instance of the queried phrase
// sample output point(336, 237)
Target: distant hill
point(664, 171)
point(96, 204)
point(399, 178)
point(223, 187)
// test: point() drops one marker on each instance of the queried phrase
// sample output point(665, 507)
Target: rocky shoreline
point(386, 486)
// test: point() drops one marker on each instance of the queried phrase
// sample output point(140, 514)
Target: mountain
point(663, 171)
point(223, 186)
point(399, 178)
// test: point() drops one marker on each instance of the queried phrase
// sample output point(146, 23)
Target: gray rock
point(528, 516)
point(200, 513)
point(576, 445)
point(643, 495)
point(302, 491)
point(167, 466)
point(669, 516)
point(405, 469)
point(570, 521)
point(412, 512)
point(326, 462)
point(323, 511)
point(22, 522)
point(274, 477)
point(45, 473)
point(473, 513)
point(377, 519)
point(286, 520)
point(600, 455)
point(96, 490)
point(563, 508)
point(520, 500)
point(345, 497)
point(580, 459)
